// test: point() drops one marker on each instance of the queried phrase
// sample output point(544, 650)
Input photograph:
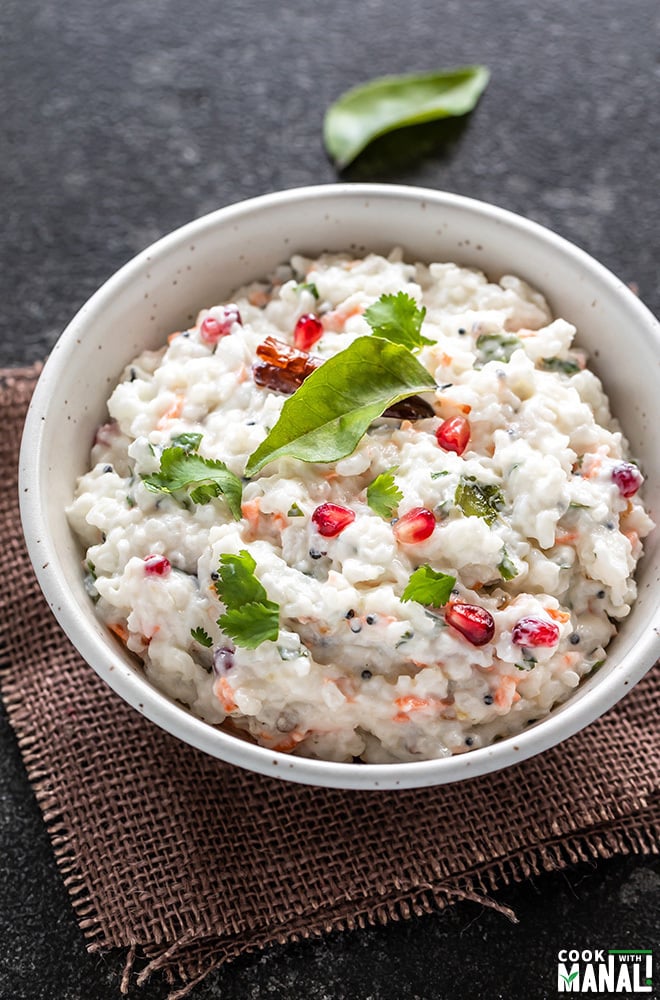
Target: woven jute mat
point(187, 862)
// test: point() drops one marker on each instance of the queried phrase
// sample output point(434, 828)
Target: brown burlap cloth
point(187, 862)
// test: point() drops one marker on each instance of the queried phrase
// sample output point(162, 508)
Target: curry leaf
point(387, 103)
point(478, 499)
point(326, 417)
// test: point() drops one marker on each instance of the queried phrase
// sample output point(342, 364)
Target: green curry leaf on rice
point(327, 416)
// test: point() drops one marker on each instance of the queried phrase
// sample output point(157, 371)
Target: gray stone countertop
point(120, 121)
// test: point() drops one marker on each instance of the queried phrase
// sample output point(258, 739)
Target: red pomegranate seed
point(157, 565)
point(308, 330)
point(223, 660)
point(474, 623)
point(331, 519)
point(415, 526)
point(535, 632)
point(628, 479)
point(453, 434)
point(215, 328)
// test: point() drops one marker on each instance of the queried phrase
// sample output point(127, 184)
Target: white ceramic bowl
point(162, 289)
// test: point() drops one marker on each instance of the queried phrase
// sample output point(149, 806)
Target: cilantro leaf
point(506, 566)
point(308, 286)
point(429, 587)
point(204, 493)
point(478, 499)
point(326, 417)
point(189, 440)
point(398, 319)
point(564, 365)
point(206, 478)
point(250, 618)
point(236, 584)
point(383, 495)
point(201, 636)
point(251, 624)
point(497, 346)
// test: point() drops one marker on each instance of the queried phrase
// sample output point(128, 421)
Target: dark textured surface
point(122, 120)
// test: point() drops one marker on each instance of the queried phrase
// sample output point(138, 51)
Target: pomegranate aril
point(415, 526)
point(223, 660)
point(474, 623)
point(308, 330)
point(453, 434)
point(535, 632)
point(628, 479)
point(157, 565)
point(331, 519)
point(214, 328)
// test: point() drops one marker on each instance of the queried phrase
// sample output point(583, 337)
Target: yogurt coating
point(532, 515)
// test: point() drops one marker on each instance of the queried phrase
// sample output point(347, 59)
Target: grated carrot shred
point(289, 742)
point(506, 692)
point(559, 616)
point(225, 695)
point(411, 703)
point(120, 631)
point(567, 538)
point(173, 412)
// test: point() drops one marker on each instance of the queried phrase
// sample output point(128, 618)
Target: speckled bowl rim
point(122, 676)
